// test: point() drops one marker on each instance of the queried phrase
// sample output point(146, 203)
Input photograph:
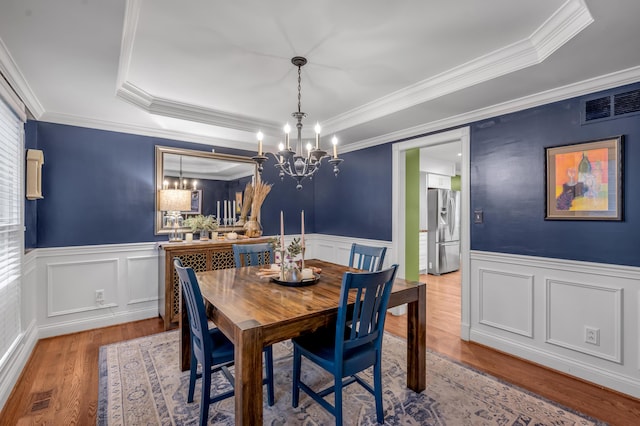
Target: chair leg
point(295, 394)
point(377, 387)
point(193, 375)
point(205, 400)
point(338, 400)
point(268, 355)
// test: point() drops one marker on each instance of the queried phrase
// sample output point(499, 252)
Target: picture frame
point(584, 180)
point(238, 202)
point(196, 202)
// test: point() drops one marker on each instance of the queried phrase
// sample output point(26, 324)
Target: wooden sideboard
point(198, 255)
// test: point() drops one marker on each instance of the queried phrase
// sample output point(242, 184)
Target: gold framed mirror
point(227, 172)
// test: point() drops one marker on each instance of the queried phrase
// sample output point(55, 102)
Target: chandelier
point(293, 162)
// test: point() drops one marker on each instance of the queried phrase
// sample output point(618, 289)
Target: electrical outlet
point(592, 335)
point(100, 296)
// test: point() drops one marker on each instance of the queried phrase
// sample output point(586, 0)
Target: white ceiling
point(216, 72)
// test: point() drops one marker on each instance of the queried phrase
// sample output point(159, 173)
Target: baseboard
point(96, 322)
point(16, 361)
point(572, 367)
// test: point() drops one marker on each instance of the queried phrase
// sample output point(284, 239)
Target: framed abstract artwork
point(584, 180)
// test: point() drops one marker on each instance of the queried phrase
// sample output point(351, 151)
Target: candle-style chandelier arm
point(290, 162)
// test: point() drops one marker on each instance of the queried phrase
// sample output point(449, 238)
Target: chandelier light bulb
point(280, 146)
point(287, 129)
point(334, 142)
point(317, 129)
point(260, 136)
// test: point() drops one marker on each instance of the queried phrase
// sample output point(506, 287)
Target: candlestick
point(302, 226)
point(233, 212)
point(225, 212)
point(282, 230)
point(334, 141)
point(218, 211)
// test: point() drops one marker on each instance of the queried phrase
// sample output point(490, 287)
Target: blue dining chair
point(210, 347)
point(253, 254)
point(355, 343)
point(367, 258)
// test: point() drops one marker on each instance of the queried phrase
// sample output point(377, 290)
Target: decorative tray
point(303, 283)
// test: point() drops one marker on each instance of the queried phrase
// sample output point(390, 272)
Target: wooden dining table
point(253, 312)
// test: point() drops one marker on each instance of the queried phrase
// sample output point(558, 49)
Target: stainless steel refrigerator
point(443, 231)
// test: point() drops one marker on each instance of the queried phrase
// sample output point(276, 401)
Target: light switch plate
point(477, 216)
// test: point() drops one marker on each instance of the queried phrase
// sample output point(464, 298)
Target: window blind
point(11, 246)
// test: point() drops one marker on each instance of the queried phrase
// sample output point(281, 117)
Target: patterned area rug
point(140, 383)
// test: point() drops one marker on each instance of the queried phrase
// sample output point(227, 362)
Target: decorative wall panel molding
point(142, 279)
point(595, 328)
point(72, 286)
point(497, 287)
point(584, 315)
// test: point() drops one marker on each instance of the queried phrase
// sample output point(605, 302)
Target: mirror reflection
point(216, 183)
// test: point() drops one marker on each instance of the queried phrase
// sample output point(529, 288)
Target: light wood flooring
point(59, 385)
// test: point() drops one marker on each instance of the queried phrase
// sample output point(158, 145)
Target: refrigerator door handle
point(452, 210)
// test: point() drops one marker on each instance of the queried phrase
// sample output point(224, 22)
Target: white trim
point(398, 224)
point(572, 367)
point(16, 361)
point(565, 23)
point(18, 85)
point(135, 129)
point(615, 364)
point(105, 320)
point(94, 249)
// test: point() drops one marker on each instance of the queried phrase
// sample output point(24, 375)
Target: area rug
point(140, 383)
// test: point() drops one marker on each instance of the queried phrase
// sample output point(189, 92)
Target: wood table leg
point(248, 376)
point(417, 341)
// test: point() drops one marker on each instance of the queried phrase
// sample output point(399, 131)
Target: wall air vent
point(611, 106)
point(596, 109)
point(625, 103)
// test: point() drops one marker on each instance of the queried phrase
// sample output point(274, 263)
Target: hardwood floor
point(59, 385)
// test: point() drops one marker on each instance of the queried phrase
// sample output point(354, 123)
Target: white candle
point(225, 212)
point(260, 143)
point(287, 129)
point(281, 230)
point(233, 211)
point(317, 129)
point(218, 210)
point(334, 141)
point(302, 226)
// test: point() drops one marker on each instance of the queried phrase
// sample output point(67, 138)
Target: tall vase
point(252, 228)
point(204, 235)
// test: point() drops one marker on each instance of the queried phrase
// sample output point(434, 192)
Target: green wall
point(412, 214)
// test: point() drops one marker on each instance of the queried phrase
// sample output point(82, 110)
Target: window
point(11, 224)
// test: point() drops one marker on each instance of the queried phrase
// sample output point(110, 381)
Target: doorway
point(399, 150)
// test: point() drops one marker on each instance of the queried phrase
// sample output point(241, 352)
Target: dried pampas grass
point(260, 192)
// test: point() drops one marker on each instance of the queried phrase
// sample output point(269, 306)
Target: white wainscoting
point(68, 278)
point(543, 309)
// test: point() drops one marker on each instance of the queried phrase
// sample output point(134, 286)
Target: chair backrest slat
point(367, 258)
point(366, 319)
point(253, 254)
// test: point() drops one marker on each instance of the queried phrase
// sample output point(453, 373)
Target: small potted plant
point(202, 224)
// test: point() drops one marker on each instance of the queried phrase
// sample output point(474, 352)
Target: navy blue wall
point(99, 188)
point(508, 184)
point(358, 202)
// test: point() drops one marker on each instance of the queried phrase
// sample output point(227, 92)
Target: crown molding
point(112, 126)
point(130, 26)
point(175, 109)
point(565, 23)
point(9, 69)
point(593, 85)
